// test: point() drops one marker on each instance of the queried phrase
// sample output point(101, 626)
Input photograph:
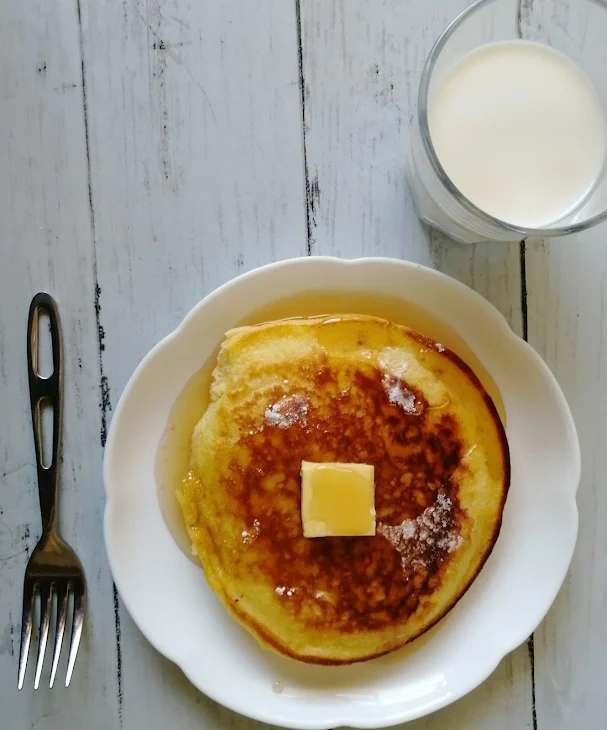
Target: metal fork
point(53, 568)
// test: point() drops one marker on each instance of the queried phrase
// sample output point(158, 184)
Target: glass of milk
point(510, 136)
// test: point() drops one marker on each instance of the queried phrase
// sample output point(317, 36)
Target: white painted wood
point(361, 67)
point(567, 284)
point(196, 169)
point(46, 244)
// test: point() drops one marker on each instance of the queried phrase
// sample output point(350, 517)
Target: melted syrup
point(173, 456)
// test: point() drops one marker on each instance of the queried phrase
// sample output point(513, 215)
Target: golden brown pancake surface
point(343, 389)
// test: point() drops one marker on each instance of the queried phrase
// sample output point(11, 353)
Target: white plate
point(166, 593)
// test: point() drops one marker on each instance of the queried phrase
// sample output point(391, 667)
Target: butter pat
point(337, 499)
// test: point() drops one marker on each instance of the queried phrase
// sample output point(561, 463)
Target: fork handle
point(41, 389)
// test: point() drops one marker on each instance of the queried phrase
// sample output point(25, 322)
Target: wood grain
point(47, 245)
point(361, 68)
point(567, 281)
point(152, 150)
point(197, 175)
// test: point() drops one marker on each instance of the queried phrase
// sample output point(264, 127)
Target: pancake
point(351, 389)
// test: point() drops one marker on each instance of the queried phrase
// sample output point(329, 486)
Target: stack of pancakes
point(351, 389)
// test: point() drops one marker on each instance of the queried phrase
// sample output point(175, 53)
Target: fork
point(53, 569)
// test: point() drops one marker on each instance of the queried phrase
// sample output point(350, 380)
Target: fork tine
point(29, 595)
point(46, 597)
point(79, 597)
point(62, 598)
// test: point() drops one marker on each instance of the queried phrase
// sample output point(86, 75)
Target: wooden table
point(150, 151)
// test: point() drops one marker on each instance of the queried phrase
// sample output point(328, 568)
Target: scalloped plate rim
point(163, 644)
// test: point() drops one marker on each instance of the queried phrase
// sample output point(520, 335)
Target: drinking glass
point(577, 28)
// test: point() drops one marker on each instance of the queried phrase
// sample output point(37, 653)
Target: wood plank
point(47, 245)
point(360, 69)
point(566, 281)
point(567, 284)
point(196, 167)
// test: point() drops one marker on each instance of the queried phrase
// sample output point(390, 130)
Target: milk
point(519, 129)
